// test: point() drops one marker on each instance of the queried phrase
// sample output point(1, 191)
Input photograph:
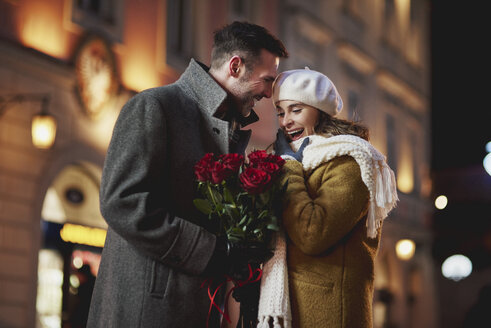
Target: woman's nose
point(287, 121)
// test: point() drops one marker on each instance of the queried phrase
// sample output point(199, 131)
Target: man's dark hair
point(246, 40)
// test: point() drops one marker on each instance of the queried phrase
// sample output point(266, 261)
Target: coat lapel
point(209, 95)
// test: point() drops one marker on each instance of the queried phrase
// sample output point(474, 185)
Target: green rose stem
point(215, 203)
point(211, 195)
point(254, 205)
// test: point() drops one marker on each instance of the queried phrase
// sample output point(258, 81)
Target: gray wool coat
point(157, 243)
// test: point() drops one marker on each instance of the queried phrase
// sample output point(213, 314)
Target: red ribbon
point(237, 283)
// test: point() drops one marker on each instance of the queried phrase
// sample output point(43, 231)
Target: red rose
point(276, 159)
point(271, 168)
point(257, 156)
point(218, 172)
point(254, 180)
point(232, 162)
point(202, 169)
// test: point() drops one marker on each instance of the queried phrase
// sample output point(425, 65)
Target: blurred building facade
point(89, 57)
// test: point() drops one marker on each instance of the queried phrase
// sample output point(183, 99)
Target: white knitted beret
point(310, 87)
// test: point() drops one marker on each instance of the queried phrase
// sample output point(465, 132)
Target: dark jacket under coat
point(157, 243)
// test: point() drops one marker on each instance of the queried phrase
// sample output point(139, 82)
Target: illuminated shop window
point(73, 234)
point(49, 294)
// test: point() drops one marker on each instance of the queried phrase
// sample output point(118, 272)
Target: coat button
point(216, 130)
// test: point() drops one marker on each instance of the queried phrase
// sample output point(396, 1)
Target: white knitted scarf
point(274, 302)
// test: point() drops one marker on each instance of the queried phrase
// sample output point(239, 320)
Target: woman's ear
point(234, 66)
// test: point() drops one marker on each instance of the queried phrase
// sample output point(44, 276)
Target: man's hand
point(241, 255)
point(282, 147)
point(233, 258)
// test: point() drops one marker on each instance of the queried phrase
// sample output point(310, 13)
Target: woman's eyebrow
point(295, 105)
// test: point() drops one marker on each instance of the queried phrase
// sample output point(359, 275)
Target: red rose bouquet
point(240, 195)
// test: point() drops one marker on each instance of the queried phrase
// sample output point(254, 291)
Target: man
point(159, 249)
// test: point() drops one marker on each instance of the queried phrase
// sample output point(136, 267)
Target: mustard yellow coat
point(330, 257)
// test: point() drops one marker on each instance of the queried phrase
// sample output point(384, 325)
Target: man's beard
point(244, 103)
point(246, 100)
point(246, 108)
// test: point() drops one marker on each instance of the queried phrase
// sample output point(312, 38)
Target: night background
point(461, 87)
point(461, 129)
point(438, 104)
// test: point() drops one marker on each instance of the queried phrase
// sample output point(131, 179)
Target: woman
point(339, 190)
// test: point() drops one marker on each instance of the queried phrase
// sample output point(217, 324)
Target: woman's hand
point(282, 147)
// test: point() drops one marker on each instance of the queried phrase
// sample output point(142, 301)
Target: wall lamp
point(43, 128)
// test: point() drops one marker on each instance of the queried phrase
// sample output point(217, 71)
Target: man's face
point(252, 86)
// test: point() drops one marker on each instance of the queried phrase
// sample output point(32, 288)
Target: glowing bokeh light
point(74, 281)
point(74, 233)
point(488, 147)
point(441, 202)
point(43, 131)
point(405, 249)
point(487, 163)
point(457, 267)
point(78, 262)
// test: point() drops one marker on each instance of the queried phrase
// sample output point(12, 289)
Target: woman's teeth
point(295, 134)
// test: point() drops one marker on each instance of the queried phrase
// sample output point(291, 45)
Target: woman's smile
point(295, 134)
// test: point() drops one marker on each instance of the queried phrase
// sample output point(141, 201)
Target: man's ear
point(234, 66)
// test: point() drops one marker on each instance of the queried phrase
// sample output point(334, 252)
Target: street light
point(405, 249)
point(457, 267)
point(487, 159)
point(43, 126)
point(441, 202)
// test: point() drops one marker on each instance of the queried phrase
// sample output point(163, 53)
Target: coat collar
point(207, 93)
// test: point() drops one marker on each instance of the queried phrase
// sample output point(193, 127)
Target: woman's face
point(296, 119)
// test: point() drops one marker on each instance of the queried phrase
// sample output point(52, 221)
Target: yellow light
point(138, 73)
point(405, 183)
point(43, 131)
point(42, 29)
point(405, 249)
point(441, 202)
point(405, 167)
point(78, 234)
point(138, 61)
